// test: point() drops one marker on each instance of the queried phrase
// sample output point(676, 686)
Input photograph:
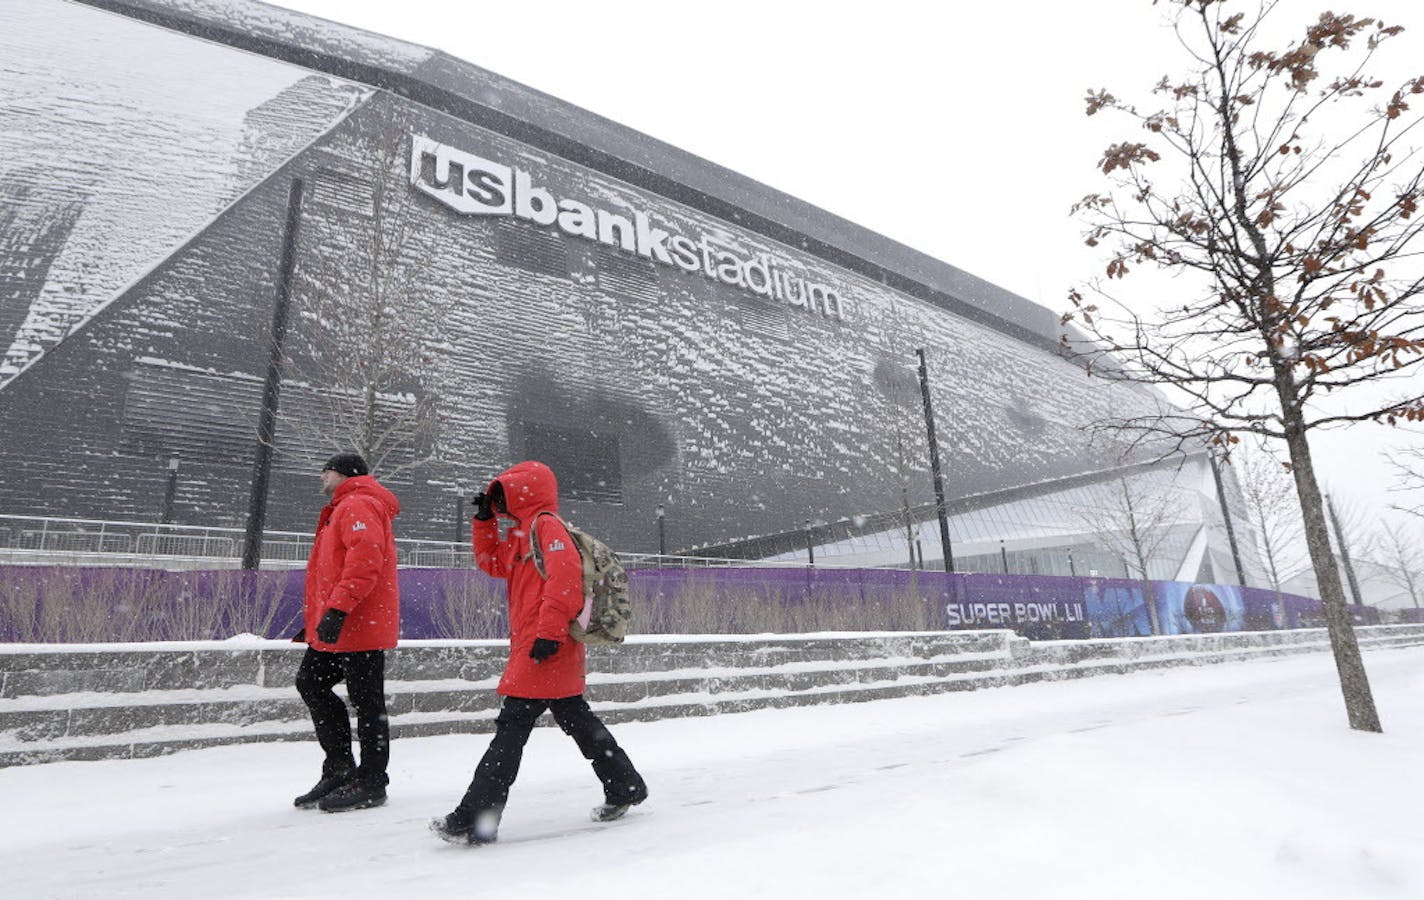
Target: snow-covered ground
point(1227, 781)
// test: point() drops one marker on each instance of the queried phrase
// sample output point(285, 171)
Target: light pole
point(170, 491)
point(940, 511)
point(1344, 552)
point(272, 386)
point(1226, 517)
point(1003, 556)
point(661, 513)
point(810, 545)
point(1071, 572)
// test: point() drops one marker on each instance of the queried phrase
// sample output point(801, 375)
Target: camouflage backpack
point(606, 610)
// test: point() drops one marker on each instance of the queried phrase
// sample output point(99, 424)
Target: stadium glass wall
point(526, 279)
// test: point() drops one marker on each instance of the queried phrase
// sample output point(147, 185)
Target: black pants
point(365, 675)
point(489, 789)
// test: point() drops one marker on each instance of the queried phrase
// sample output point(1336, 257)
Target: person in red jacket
point(352, 617)
point(546, 667)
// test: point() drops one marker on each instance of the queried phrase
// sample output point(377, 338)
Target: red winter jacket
point(352, 568)
point(538, 607)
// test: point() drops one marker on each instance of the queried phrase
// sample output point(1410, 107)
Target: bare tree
point(1353, 535)
point(1284, 195)
point(1137, 517)
point(1397, 550)
point(1408, 465)
point(900, 466)
point(903, 429)
point(370, 361)
point(1272, 510)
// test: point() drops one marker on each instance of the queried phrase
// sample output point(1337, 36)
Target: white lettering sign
point(473, 185)
point(1002, 614)
point(467, 183)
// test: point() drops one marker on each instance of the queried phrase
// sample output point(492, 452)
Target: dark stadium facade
point(545, 283)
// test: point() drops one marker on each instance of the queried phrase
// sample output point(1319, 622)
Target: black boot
point(327, 784)
point(616, 803)
point(357, 794)
point(457, 828)
point(451, 829)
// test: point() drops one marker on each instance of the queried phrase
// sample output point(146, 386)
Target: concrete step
point(49, 726)
point(144, 700)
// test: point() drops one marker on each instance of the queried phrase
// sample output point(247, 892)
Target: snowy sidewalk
point(1239, 780)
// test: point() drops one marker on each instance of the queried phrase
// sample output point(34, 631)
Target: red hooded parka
point(539, 607)
point(352, 568)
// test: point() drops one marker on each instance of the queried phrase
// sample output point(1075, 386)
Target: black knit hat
point(348, 464)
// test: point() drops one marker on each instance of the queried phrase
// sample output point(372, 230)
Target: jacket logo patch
point(556, 545)
point(359, 526)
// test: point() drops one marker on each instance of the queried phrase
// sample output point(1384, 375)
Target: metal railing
point(79, 541)
point(61, 541)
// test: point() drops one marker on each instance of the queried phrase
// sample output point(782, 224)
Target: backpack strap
point(535, 553)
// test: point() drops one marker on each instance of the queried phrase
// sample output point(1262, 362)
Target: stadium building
point(481, 273)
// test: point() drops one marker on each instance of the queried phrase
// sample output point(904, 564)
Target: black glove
point(329, 628)
point(484, 510)
point(543, 649)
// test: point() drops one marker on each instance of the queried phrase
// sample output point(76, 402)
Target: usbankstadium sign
point(476, 186)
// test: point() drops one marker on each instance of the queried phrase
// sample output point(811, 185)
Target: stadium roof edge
point(461, 89)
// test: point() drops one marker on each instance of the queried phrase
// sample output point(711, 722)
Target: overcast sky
point(956, 128)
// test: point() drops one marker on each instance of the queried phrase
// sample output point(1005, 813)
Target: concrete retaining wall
point(135, 700)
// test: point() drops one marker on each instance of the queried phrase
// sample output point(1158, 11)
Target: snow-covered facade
point(667, 334)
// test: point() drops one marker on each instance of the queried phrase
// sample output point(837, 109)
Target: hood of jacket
point(529, 489)
point(367, 486)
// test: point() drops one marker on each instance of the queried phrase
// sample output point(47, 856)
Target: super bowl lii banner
point(83, 605)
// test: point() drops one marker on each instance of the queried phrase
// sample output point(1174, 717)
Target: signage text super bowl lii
point(474, 185)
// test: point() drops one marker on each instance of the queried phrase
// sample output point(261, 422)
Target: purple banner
point(87, 605)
